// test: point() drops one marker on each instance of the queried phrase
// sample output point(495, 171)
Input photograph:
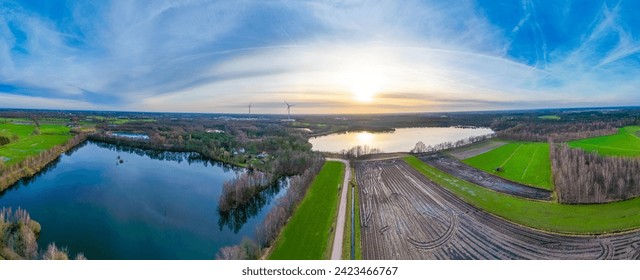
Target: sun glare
point(364, 138)
point(363, 93)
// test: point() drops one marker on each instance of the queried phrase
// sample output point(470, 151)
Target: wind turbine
point(288, 110)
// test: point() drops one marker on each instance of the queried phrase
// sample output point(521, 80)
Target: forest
point(584, 177)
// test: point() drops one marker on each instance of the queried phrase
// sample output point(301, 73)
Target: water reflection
point(235, 218)
point(156, 205)
point(400, 140)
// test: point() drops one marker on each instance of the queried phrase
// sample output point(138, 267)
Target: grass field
point(550, 117)
point(306, 236)
point(29, 144)
point(346, 248)
point(625, 143)
point(523, 162)
point(551, 216)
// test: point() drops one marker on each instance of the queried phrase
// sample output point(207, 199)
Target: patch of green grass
point(550, 117)
point(523, 162)
point(625, 143)
point(28, 144)
point(306, 236)
point(346, 248)
point(550, 216)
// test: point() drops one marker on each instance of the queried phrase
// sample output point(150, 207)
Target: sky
point(322, 57)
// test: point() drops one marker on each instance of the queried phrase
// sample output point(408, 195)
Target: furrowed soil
point(404, 215)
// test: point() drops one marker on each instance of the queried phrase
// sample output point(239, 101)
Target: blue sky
point(322, 56)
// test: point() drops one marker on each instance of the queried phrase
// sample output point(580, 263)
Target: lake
point(114, 202)
point(401, 140)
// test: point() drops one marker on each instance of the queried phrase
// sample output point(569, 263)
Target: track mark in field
point(453, 225)
point(530, 160)
point(607, 250)
point(511, 156)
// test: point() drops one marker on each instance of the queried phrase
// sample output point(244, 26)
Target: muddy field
point(406, 216)
point(484, 179)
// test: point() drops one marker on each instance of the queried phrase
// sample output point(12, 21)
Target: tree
point(419, 148)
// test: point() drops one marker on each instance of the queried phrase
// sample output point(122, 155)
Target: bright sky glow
point(321, 56)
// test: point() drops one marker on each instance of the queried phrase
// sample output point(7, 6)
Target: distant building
point(262, 155)
point(214, 131)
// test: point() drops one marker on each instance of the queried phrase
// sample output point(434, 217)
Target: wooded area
point(583, 177)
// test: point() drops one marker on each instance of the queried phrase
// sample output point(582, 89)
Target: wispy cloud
point(218, 56)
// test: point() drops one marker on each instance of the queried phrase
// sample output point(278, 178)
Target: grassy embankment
point(308, 233)
point(346, 248)
point(550, 216)
point(625, 143)
point(523, 162)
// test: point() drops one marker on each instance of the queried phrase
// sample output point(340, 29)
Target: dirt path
point(336, 251)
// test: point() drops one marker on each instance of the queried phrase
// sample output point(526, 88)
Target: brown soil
point(404, 215)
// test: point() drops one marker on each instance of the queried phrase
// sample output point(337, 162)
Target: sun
point(363, 93)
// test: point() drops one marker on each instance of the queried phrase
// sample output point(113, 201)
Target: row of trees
point(583, 177)
point(18, 238)
point(422, 148)
point(560, 132)
point(358, 151)
point(284, 207)
point(242, 188)
point(31, 165)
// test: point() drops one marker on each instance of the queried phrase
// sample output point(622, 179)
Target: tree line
point(267, 232)
point(423, 148)
point(561, 132)
point(243, 188)
point(358, 151)
point(584, 177)
point(18, 238)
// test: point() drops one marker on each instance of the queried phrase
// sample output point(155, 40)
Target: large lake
point(152, 205)
point(401, 140)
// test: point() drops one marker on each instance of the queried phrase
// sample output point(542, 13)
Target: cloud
point(218, 56)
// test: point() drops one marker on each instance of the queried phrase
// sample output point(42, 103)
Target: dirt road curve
point(336, 251)
point(407, 216)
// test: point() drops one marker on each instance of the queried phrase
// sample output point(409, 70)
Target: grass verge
point(550, 216)
point(307, 234)
point(346, 249)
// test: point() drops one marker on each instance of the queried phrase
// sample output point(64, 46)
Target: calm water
point(153, 205)
point(131, 135)
point(401, 140)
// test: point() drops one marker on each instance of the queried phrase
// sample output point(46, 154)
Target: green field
point(625, 143)
point(523, 162)
point(346, 247)
point(551, 216)
point(550, 117)
point(29, 144)
point(306, 236)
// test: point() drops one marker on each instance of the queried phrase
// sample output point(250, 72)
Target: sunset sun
point(363, 93)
